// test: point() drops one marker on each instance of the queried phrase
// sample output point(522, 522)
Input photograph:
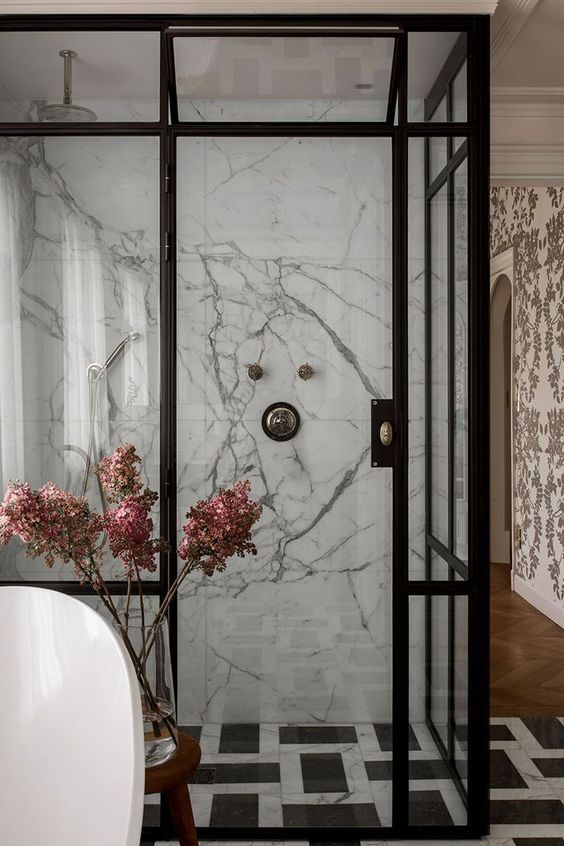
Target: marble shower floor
point(332, 776)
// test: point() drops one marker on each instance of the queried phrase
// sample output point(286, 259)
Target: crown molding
point(510, 19)
point(188, 7)
point(532, 164)
point(527, 102)
point(515, 94)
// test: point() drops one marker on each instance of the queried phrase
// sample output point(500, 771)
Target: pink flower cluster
point(60, 526)
point(128, 526)
point(118, 473)
point(220, 527)
point(53, 523)
point(130, 529)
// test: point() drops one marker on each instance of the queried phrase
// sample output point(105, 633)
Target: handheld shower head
point(96, 371)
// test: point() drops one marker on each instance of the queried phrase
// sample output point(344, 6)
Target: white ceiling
point(536, 56)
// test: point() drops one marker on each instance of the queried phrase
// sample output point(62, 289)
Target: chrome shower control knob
point(305, 371)
point(255, 372)
point(280, 421)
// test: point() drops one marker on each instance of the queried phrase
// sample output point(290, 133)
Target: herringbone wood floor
point(527, 655)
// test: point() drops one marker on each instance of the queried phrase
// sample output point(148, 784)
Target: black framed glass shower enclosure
point(310, 195)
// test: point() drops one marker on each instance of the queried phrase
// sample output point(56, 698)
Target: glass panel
point(115, 76)
point(416, 357)
point(460, 490)
point(283, 78)
point(439, 364)
point(438, 147)
point(440, 570)
point(460, 95)
point(438, 614)
point(433, 796)
point(284, 270)
point(427, 54)
point(460, 672)
point(79, 272)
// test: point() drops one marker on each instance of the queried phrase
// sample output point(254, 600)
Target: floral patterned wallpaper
point(532, 221)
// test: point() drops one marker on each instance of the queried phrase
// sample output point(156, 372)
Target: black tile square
point(526, 812)
point(353, 814)
point(427, 807)
point(152, 814)
point(548, 731)
point(503, 773)
point(428, 768)
point(384, 735)
point(193, 731)
point(550, 767)
point(500, 732)
point(318, 734)
point(378, 770)
point(418, 769)
point(239, 737)
point(234, 810)
point(323, 773)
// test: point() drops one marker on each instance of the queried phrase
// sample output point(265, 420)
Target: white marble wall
point(285, 257)
point(79, 248)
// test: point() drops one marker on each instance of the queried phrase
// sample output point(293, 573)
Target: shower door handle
point(383, 433)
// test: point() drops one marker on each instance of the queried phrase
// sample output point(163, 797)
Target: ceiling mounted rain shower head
point(66, 111)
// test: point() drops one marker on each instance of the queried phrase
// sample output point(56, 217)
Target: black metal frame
point(476, 129)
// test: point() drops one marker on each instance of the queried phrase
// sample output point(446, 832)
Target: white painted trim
point(512, 17)
point(526, 94)
point(189, 7)
point(550, 609)
point(526, 164)
point(503, 264)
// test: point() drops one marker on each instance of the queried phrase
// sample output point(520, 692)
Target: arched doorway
point(501, 501)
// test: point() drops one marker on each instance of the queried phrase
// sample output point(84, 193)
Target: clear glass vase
point(149, 650)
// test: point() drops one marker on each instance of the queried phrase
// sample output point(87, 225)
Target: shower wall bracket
point(383, 433)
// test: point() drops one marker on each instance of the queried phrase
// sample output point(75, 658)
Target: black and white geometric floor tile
point(333, 776)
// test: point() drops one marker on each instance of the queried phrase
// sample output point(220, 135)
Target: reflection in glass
point(429, 703)
point(438, 146)
point(114, 74)
point(439, 364)
point(427, 53)
point(416, 357)
point(79, 247)
point(265, 77)
point(460, 457)
point(285, 256)
point(460, 679)
point(460, 95)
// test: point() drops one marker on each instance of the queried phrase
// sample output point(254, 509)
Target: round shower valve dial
point(280, 421)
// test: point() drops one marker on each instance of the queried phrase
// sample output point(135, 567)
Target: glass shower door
point(284, 258)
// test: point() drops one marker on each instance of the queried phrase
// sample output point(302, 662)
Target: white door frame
point(503, 265)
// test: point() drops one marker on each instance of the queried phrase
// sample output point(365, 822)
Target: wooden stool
point(170, 778)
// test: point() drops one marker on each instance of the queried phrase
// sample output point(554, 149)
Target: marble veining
point(284, 256)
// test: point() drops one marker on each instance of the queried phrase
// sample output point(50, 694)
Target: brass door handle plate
point(386, 433)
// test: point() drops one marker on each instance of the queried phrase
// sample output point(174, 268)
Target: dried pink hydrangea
point(54, 524)
point(130, 529)
point(118, 473)
point(219, 528)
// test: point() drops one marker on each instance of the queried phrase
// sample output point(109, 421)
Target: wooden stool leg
point(181, 812)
